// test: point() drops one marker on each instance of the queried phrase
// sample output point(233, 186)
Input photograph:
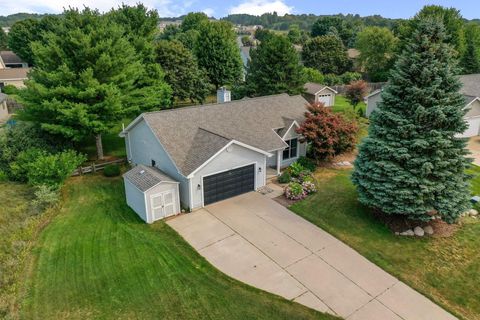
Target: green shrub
point(45, 197)
point(307, 163)
point(10, 89)
point(111, 170)
point(295, 169)
point(38, 167)
point(308, 178)
point(294, 191)
point(285, 177)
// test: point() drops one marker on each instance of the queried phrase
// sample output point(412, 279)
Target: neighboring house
point(220, 150)
point(3, 108)
point(13, 76)
point(471, 92)
point(8, 59)
point(315, 92)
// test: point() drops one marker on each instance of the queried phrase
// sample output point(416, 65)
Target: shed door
point(325, 98)
point(228, 184)
point(163, 205)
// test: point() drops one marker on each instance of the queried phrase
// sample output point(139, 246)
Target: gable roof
point(145, 178)
point(14, 73)
point(192, 135)
point(9, 57)
point(314, 88)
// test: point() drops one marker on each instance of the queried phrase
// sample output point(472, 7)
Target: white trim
point(255, 168)
point(297, 148)
point(14, 79)
point(192, 174)
point(289, 128)
point(326, 87)
point(190, 197)
point(162, 193)
point(131, 125)
point(476, 99)
point(374, 93)
point(146, 204)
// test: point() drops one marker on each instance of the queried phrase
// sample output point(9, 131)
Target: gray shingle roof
point(192, 135)
point(468, 99)
point(471, 85)
point(14, 73)
point(144, 177)
point(10, 57)
point(314, 88)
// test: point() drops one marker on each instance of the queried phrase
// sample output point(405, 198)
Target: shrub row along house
point(213, 152)
point(471, 92)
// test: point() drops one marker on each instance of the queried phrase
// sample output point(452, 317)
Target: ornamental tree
point(356, 92)
point(328, 133)
point(412, 163)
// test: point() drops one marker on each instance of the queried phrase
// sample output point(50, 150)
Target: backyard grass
point(98, 260)
point(445, 269)
point(342, 105)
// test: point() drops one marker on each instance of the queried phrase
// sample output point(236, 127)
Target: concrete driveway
point(256, 240)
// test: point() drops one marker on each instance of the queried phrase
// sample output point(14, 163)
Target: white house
point(217, 151)
point(471, 92)
point(315, 92)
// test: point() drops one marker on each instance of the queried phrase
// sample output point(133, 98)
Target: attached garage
point(151, 193)
point(228, 184)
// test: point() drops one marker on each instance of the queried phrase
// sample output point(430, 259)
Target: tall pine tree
point(412, 163)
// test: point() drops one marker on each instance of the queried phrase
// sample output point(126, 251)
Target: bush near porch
point(447, 270)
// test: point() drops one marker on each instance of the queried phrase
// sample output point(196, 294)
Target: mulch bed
point(398, 223)
point(284, 201)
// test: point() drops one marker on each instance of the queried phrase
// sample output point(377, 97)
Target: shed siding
point(135, 199)
point(238, 156)
point(144, 148)
point(372, 103)
point(3, 111)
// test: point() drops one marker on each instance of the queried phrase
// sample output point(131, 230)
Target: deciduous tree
point(471, 58)
point(327, 54)
point(356, 92)
point(3, 40)
point(413, 163)
point(328, 133)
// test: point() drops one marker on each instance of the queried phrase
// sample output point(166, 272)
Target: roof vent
point(223, 95)
point(142, 171)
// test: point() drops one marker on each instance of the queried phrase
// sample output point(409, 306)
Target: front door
point(163, 205)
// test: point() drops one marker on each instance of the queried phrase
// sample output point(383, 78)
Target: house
point(13, 76)
point(216, 151)
point(471, 93)
point(315, 92)
point(8, 59)
point(3, 108)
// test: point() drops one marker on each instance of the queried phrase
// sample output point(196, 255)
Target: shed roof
point(145, 178)
point(10, 57)
point(14, 73)
point(314, 88)
point(192, 135)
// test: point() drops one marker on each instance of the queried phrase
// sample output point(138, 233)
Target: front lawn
point(98, 260)
point(445, 269)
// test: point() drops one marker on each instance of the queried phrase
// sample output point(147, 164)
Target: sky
point(470, 9)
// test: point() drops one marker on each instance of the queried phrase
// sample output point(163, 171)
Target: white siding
point(237, 156)
point(162, 187)
point(135, 199)
point(372, 103)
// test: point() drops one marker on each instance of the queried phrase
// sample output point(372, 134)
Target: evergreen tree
point(3, 40)
point(187, 80)
point(274, 68)
point(85, 71)
point(471, 58)
point(412, 163)
point(218, 54)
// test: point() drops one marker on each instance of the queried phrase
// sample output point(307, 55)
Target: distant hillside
point(7, 21)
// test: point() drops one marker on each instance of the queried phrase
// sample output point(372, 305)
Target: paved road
point(256, 240)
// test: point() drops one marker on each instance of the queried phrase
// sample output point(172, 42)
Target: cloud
point(208, 11)
point(166, 8)
point(258, 7)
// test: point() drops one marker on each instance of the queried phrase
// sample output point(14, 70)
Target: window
point(153, 163)
point(291, 150)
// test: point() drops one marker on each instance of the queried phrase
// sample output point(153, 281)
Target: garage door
point(228, 184)
point(473, 128)
point(325, 98)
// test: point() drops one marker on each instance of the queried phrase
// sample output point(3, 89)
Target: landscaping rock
point(428, 230)
point(473, 213)
point(418, 231)
point(408, 233)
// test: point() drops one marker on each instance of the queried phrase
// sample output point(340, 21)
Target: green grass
point(445, 269)
point(98, 260)
point(342, 105)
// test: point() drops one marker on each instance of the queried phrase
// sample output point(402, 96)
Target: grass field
point(98, 260)
point(342, 105)
point(447, 270)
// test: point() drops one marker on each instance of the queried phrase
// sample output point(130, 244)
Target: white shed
point(315, 92)
point(151, 193)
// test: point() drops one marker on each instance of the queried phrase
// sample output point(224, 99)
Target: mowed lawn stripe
point(97, 259)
